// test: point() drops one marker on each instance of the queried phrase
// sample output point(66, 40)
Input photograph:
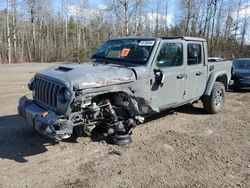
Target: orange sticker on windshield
point(125, 52)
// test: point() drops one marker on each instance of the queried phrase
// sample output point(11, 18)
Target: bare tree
point(157, 19)
point(123, 10)
point(219, 17)
point(236, 27)
point(228, 24)
point(166, 17)
point(138, 17)
point(207, 19)
point(8, 32)
point(244, 27)
point(14, 28)
point(215, 6)
point(31, 8)
point(188, 7)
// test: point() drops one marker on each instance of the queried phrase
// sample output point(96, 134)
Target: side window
point(170, 55)
point(194, 54)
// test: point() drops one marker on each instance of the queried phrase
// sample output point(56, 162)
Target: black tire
point(215, 101)
point(79, 131)
point(99, 129)
point(119, 140)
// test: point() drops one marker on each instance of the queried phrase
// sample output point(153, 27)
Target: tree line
point(70, 30)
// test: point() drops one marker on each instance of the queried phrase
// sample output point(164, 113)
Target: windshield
point(136, 51)
point(242, 64)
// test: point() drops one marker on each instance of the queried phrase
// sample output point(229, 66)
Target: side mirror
point(159, 76)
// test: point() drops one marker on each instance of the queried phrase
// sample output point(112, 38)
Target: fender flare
point(212, 80)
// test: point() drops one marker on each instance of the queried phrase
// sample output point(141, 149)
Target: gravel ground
point(182, 148)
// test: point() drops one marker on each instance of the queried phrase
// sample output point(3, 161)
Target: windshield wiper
point(116, 61)
point(102, 60)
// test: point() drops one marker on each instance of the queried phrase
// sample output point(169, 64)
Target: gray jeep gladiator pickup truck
point(127, 80)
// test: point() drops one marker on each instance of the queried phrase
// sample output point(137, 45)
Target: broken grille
point(46, 92)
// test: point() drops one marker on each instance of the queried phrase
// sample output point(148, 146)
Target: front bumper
point(241, 82)
point(44, 121)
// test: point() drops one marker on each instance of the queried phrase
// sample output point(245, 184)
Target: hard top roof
point(185, 38)
point(166, 38)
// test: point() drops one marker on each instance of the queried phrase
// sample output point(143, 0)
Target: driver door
point(169, 75)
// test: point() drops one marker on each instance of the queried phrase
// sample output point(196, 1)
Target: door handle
point(181, 76)
point(199, 73)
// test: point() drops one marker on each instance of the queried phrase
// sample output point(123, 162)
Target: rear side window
point(194, 54)
point(170, 55)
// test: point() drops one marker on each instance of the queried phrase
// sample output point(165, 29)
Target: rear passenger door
point(195, 70)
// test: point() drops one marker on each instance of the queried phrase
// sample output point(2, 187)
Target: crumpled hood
point(88, 75)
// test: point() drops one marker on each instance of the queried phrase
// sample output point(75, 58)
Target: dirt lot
point(184, 148)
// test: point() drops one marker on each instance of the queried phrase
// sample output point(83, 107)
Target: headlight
point(67, 94)
point(31, 84)
point(64, 95)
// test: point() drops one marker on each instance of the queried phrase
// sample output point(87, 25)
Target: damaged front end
point(85, 98)
point(114, 114)
point(44, 121)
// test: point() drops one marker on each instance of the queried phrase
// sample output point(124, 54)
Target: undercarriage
point(114, 115)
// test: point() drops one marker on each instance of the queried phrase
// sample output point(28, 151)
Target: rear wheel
point(215, 101)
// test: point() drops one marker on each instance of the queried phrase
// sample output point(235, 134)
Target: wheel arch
point(220, 76)
point(120, 98)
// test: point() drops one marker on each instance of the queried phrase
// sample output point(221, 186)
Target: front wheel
point(215, 101)
point(80, 130)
